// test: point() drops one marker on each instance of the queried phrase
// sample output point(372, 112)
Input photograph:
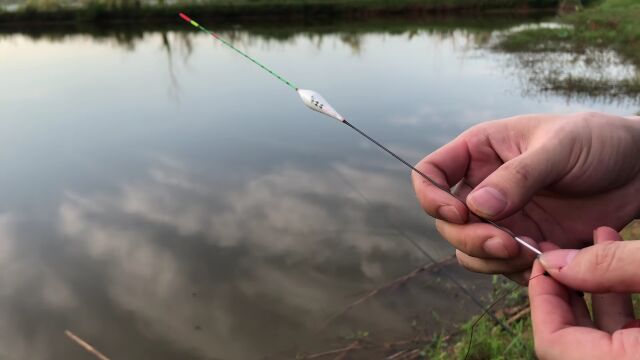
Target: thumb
point(602, 268)
point(512, 185)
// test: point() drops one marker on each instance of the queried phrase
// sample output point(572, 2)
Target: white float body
point(316, 102)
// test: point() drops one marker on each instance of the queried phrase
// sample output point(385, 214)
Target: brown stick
point(397, 355)
point(85, 345)
point(401, 280)
point(519, 315)
point(330, 352)
point(354, 345)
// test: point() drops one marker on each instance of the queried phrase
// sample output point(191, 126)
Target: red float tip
point(185, 17)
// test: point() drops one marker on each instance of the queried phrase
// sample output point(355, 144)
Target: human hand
point(562, 326)
point(550, 178)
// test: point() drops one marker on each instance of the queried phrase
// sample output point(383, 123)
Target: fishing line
point(448, 191)
point(473, 326)
point(229, 45)
point(316, 102)
point(449, 276)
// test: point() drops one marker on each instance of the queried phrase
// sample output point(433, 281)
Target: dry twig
point(354, 345)
point(519, 315)
point(399, 281)
point(331, 352)
point(85, 345)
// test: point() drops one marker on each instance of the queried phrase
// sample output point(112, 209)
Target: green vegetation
point(248, 10)
point(613, 24)
point(480, 336)
point(482, 339)
point(632, 232)
point(490, 341)
point(610, 25)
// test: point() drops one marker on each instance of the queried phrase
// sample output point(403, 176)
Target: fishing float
point(317, 102)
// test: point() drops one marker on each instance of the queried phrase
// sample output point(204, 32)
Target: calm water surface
point(162, 197)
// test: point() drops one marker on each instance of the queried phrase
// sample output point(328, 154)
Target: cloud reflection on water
point(250, 235)
point(177, 255)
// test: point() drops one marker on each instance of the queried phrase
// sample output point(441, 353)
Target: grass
point(610, 25)
point(632, 231)
point(490, 341)
point(479, 337)
point(482, 339)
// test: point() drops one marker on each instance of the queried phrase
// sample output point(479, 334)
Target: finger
point(446, 166)
point(550, 305)
point(601, 268)
point(495, 266)
point(552, 314)
point(461, 190)
point(548, 246)
point(555, 329)
point(579, 343)
point(479, 240)
point(580, 310)
point(589, 343)
point(511, 186)
point(610, 311)
point(578, 304)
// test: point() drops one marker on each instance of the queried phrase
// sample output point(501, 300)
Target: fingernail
point(488, 201)
point(450, 213)
point(495, 247)
point(557, 259)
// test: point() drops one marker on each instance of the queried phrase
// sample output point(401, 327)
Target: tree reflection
point(590, 75)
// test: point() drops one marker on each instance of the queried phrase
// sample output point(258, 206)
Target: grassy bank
point(490, 341)
point(480, 336)
point(247, 10)
point(613, 24)
point(610, 25)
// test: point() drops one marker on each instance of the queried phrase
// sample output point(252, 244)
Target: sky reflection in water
point(184, 204)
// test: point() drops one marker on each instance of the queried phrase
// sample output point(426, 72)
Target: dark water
point(162, 197)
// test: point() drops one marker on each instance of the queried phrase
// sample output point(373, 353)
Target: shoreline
point(276, 11)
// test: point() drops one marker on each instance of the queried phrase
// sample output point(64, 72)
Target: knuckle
point(463, 242)
point(423, 199)
point(440, 228)
point(463, 260)
point(605, 257)
point(542, 349)
point(548, 346)
point(624, 345)
point(519, 171)
point(539, 348)
point(459, 238)
point(588, 115)
point(476, 137)
point(475, 264)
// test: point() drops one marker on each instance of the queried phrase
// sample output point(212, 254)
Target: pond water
point(162, 197)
